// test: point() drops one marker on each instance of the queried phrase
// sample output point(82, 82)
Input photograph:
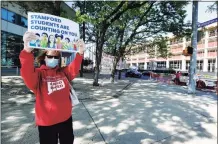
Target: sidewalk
point(17, 105)
point(146, 113)
point(14, 90)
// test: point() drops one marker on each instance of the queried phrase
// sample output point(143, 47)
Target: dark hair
point(45, 34)
point(40, 59)
point(67, 39)
point(56, 35)
point(38, 34)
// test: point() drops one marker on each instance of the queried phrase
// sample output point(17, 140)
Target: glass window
point(11, 17)
point(180, 40)
point(212, 33)
point(11, 47)
point(141, 66)
point(188, 39)
point(23, 21)
point(4, 13)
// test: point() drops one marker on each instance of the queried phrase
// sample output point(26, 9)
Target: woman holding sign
point(53, 109)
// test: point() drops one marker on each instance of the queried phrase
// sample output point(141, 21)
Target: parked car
point(146, 73)
point(201, 82)
point(133, 73)
point(183, 78)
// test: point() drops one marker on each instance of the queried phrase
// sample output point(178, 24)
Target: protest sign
point(53, 32)
point(106, 63)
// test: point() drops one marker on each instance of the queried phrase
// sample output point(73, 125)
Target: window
point(4, 14)
point(200, 54)
point(200, 65)
point(211, 65)
point(180, 40)
point(212, 52)
point(187, 65)
point(128, 65)
point(212, 32)
point(141, 66)
point(161, 64)
point(134, 64)
point(11, 47)
point(175, 64)
point(13, 17)
point(188, 39)
point(24, 21)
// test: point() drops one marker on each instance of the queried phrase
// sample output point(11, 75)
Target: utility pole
point(84, 37)
point(193, 58)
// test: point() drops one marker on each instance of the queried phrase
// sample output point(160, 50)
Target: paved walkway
point(146, 112)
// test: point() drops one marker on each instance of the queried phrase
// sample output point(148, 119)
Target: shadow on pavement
point(147, 112)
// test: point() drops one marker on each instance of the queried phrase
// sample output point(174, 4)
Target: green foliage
point(49, 7)
point(117, 26)
point(162, 48)
point(149, 21)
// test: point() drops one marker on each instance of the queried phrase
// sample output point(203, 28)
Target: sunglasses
point(50, 57)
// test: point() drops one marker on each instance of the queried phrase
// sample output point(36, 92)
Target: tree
point(49, 7)
point(100, 15)
point(136, 27)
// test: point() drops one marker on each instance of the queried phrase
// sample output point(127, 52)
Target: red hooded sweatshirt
point(51, 88)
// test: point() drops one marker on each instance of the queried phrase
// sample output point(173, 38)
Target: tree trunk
point(96, 76)
point(82, 64)
point(98, 56)
point(114, 69)
point(84, 37)
point(192, 69)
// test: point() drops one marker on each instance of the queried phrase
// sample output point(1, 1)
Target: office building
point(206, 52)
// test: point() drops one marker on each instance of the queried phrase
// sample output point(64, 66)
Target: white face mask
point(52, 63)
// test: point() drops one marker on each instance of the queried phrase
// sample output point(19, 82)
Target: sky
point(202, 14)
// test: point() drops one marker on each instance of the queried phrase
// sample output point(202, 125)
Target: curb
point(119, 93)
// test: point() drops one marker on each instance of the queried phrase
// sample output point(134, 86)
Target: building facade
point(206, 52)
point(13, 26)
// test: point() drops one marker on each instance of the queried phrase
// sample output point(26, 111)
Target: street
point(143, 112)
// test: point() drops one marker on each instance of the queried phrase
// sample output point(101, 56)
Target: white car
point(183, 78)
point(201, 82)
